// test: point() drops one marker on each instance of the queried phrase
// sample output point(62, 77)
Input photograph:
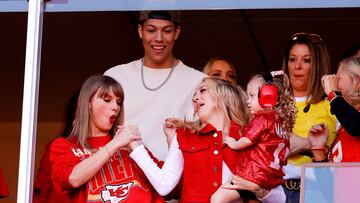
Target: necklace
point(162, 84)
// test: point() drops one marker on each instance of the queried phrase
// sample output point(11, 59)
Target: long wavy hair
point(102, 85)
point(229, 99)
point(320, 65)
point(285, 108)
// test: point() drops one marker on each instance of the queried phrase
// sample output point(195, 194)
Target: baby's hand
point(231, 142)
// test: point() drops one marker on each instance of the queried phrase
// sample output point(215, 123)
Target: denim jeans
point(292, 196)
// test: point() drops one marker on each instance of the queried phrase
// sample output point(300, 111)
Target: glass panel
point(12, 59)
point(131, 5)
point(126, 5)
point(13, 5)
point(331, 182)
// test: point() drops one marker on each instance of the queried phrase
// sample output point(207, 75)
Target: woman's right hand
point(134, 144)
point(169, 129)
point(329, 83)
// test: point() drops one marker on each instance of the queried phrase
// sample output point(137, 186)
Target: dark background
point(76, 45)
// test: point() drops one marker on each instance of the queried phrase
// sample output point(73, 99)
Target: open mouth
point(113, 118)
point(158, 49)
point(198, 106)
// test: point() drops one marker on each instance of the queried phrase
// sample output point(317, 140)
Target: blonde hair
point(352, 66)
point(285, 108)
point(102, 85)
point(211, 61)
point(259, 77)
point(320, 65)
point(229, 98)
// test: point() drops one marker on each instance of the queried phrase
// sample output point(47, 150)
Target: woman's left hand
point(240, 183)
point(318, 135)
point(126, 134)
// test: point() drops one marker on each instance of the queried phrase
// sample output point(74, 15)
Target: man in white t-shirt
point(157, 86)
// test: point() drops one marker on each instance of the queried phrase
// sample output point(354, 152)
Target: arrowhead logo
point(116, 193)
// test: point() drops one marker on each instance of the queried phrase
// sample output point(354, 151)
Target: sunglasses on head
point(303, 35)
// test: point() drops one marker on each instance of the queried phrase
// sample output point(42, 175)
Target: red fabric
point(120, 179)
point(4, 192)
point(345, 148)
point(332, 95)
point(43, 189)
point(43, 186)
point(202, 174)
point(262, 162)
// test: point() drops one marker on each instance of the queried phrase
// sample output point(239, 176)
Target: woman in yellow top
point(306, 60)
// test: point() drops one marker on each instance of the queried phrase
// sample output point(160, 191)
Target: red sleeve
point(43, 186)
point(159, 163)
point(4, 192)
point(62, 161)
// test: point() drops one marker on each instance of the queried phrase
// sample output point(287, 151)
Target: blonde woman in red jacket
point(197, 152)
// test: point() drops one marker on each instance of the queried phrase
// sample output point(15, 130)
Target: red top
point(43, 188)
point(262, 162)
point(203, 156)
point(4, 192)
point(346, 147)
point(120, 179)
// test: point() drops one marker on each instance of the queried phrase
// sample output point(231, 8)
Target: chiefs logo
point(337, 154)
point(116, 193)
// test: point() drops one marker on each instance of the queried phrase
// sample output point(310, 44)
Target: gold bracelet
point(324, 149)
point(318, 148)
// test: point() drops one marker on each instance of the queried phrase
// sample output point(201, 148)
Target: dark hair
point(320, 63)
point(173, 16)
point(70, 114)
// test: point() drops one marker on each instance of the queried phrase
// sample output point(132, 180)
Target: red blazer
point(203, 155)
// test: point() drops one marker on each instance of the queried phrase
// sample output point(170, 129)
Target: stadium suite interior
point(77, 45)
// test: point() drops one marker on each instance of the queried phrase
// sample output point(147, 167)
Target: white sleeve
point(165, 179)
point(276, 195)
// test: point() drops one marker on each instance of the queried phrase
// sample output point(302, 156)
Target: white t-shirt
point(149, 109)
